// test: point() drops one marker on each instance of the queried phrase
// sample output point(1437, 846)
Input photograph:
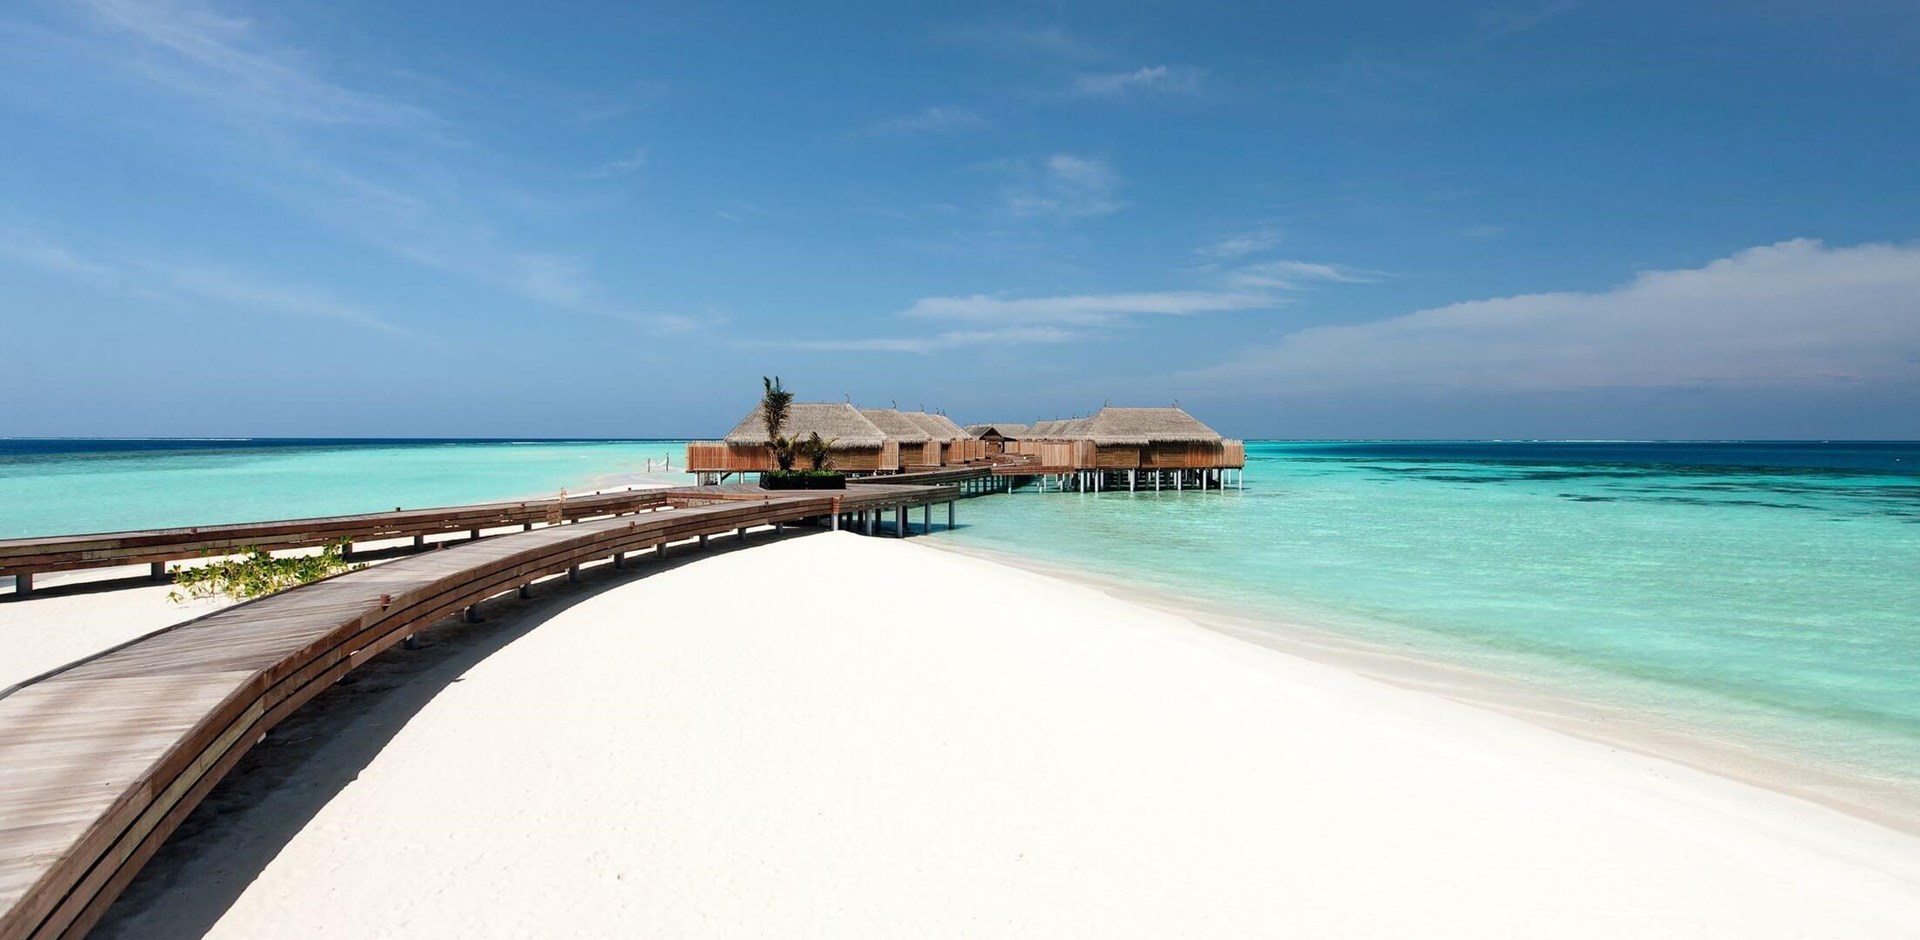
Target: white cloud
point(1793, 314)
point(1084, 309)
point(932, 120)
point(1234, 247)
point(622, 167)
point(201, 52)
point(1161, 79)
point(1294, 275)
point(184, 284)
point(1010, 336)
point(1064, 186)
point(255, 107)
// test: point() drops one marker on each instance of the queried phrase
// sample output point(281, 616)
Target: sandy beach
point(835, 736)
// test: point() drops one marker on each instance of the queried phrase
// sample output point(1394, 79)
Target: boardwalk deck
point(102, 759)
point(24, 558)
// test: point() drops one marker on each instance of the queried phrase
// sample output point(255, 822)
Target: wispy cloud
point(1063, 186)
point(934, 120)
point(203, 53)
point(1296, 275)
point(372, 165)
point(1235, 247)
point(626, 166)
point(1153, 79)
point(1506, 22)
point(1010, 336)
point(1084, 309)
point(1792, 314)
point(184, 284)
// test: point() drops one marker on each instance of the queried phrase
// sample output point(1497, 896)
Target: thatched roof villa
point(912, 440)
point(995, 436)
point(1132, 447)
point(857, 446)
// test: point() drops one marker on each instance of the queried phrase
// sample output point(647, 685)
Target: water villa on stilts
point(1131, 449)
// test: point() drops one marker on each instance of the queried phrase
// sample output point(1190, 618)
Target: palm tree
point(775, 405)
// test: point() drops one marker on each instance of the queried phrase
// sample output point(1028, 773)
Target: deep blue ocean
point(1762, 593)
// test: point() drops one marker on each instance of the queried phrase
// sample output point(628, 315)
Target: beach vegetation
point(775, 405)
point(817, 451)
point(256, 572)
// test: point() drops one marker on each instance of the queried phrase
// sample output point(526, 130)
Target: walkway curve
point(102, 759)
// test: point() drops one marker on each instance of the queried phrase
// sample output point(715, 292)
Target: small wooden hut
point(996, 435)
point(957, 447)
point(1156, 439)
point(918, 449)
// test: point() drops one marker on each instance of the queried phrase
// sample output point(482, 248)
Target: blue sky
point(1529, 219)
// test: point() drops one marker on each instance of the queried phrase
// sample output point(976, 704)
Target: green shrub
point(257, 572)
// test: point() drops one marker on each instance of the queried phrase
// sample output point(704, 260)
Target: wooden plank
point(101, 760)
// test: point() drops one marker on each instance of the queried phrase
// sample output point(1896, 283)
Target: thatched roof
point(1147, 426)
point(1066, 429)
point(939, 427)
point(836, 421)
point(896, 426)
point(1008, 429)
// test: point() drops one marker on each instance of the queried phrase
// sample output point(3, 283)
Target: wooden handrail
point(103, 758)
point(31, 556)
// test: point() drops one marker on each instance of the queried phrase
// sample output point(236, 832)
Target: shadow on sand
point(279, 786)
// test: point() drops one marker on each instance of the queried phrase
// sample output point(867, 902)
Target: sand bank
point(837, 736)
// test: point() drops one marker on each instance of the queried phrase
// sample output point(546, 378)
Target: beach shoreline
point(1549, 706)
point(635, 760)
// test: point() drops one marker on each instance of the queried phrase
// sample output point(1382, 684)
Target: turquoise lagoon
point(1760, 593)
point(1765, 595)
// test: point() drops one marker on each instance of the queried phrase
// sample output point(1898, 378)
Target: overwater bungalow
point(1114, 448)
point(858, 446)
point(957, 447)
point(1132, 447)
point(996, 435)
point(918, 449)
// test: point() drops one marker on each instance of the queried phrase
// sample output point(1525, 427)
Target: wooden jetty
point(102, 759)
point(23, 558)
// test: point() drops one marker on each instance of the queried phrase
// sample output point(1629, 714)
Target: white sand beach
point(839, 736)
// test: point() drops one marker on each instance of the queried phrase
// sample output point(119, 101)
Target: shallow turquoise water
point(64, 487)
point(1769, 594)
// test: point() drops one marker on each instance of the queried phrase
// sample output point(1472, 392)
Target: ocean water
point(59, 487)
point(1763, 594)
point(1766, 594)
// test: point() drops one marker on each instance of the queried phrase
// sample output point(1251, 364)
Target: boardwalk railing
point(100, 760)
point(23, 558)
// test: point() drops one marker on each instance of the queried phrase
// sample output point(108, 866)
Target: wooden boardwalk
point(102, 759)
point(23, 558)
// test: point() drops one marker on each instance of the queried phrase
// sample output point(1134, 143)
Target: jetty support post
point(158, 570)
point(740, 534)
point(419, 542)
point(573, 573)
point(926, 518)
point(23, 584)
point(949, 515)
point(619, 559)
point(703, 540)
point(900, 521)
point(866, 520)
point(836, 514)
point(473, 614)
point(526, 592)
